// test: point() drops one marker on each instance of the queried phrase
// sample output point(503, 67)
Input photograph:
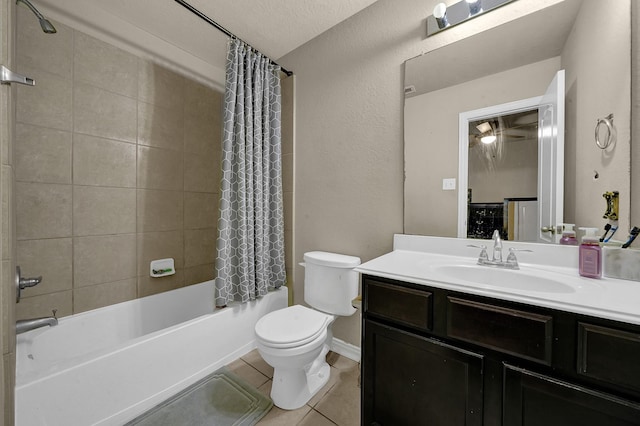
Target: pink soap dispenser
point(568, 235)
point(590, 256)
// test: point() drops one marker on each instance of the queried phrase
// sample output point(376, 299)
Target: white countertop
point(417, 259)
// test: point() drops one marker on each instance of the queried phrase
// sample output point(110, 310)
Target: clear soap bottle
point(568, 235)
point(590, 255)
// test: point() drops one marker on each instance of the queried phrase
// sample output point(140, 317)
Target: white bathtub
point(109, 365)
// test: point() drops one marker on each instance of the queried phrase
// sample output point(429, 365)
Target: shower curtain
point(250, 245)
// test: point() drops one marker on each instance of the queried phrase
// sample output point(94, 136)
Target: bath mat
point(220, 399)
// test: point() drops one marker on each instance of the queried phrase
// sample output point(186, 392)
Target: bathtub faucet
point(22, 326)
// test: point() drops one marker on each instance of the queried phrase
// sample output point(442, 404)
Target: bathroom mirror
point(590, 40)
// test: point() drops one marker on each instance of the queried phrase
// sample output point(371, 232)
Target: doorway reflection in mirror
point(503, 184)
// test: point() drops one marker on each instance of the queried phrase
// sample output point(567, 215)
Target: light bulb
point(440, 13)
point(440, 10)
point(488, 139)
point(475, 6)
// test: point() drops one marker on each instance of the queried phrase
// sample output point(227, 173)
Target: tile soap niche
point(162, 268)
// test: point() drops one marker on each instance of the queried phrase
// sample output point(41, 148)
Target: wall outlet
point(449, 184)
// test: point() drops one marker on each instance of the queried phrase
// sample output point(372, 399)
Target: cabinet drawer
point(525, 334)
point(399, 304)
point(609, 354)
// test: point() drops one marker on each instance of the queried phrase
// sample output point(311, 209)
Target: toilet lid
point(292, 326)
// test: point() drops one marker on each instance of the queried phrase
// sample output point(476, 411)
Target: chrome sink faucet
point(496, 258)
point(497, 247)
point(22, 326)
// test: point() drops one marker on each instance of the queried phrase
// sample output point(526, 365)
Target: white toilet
point(295, 340)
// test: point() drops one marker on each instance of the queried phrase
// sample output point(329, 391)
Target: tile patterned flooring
point(337, 403)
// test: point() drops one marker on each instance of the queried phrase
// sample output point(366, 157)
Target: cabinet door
point(532, 399)
point(412, 380)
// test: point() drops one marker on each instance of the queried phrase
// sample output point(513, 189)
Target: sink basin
point(502, 278)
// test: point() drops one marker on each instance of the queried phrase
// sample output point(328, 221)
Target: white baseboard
point(346, 349)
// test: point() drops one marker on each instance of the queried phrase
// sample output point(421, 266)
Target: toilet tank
point(330, 283)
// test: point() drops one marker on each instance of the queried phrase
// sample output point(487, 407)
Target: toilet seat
point(290, 327)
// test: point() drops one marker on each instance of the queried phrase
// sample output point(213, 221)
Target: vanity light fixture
point(449, 16)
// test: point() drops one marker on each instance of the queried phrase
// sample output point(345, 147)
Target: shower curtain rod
point(223, 29)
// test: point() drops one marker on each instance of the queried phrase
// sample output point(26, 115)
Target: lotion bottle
point(568, 235)
point(590, 256)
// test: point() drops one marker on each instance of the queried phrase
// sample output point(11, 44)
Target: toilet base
point(292, 388)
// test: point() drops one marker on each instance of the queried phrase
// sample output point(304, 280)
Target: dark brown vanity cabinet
point(441, 358)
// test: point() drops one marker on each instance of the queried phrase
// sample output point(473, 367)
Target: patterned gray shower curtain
point(250, 246)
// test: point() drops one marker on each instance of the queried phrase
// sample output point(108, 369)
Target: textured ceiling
point(275, 27)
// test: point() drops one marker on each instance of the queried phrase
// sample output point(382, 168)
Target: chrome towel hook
point(610, 133)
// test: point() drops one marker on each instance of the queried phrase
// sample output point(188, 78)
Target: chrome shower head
point(46, 26)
